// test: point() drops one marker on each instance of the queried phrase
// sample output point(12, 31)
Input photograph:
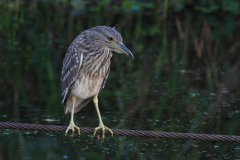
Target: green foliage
point(207, 7)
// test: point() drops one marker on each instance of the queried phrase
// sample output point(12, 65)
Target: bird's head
point(107, 37)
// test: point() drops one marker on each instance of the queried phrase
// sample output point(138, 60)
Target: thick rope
point(121, 132)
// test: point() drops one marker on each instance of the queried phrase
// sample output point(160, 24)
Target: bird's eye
point(110, 38)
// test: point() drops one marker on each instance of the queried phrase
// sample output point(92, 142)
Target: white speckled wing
point(71, 65)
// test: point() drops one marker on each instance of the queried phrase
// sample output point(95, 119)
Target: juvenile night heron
point(85, 70)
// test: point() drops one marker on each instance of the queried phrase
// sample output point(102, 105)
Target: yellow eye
point(110, 38)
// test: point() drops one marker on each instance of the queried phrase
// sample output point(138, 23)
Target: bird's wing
point(71, 65)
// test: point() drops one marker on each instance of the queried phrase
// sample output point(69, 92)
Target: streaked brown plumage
point(86, 67)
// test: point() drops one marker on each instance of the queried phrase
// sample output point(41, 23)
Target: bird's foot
point(103, 130)
point(71, 126)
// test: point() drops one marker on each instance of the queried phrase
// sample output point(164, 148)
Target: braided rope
point(121, 132)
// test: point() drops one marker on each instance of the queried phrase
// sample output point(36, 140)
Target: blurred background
point(185, 77)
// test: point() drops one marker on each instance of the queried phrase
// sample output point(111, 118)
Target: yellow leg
point(72, 124)
point(101, 125)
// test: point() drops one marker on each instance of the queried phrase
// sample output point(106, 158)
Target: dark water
point(216, 113)
point(172, 85)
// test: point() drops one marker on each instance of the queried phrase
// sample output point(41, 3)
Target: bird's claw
point(71, 126)
point(103, 130)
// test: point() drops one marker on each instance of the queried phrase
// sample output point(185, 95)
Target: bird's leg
point(101, 125)
point(72, 124)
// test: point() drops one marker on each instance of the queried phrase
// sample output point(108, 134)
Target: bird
point(85, 69)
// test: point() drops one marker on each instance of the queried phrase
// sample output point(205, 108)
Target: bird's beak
point(123, 49)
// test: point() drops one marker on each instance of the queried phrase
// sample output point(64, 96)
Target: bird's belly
point(86, 87)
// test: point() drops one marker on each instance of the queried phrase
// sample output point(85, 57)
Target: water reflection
point(44, 145)
point(184, 108)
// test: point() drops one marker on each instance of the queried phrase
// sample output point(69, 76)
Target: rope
point(121, 132)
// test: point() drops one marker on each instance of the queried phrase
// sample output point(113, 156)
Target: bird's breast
point(86, 87)
point(91, 76)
